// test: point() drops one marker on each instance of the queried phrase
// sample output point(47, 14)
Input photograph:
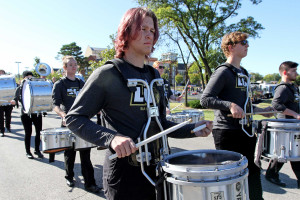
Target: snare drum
point(282, 140)
point(81, 144)
point(37, 96)
point(7, 89)
point(56, 139)
point(178, 117)
point(206, 174)
point(195, 115)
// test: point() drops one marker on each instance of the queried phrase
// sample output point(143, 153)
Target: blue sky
point(39, 28)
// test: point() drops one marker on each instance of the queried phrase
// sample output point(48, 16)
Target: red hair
point(130, 26)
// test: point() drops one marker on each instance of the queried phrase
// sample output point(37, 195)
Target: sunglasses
point(243, 42)
point(161, 67)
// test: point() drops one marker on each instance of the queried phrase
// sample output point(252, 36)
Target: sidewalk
point(24, 179)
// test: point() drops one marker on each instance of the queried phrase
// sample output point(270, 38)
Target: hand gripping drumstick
point(198, 128)
point(259, 113)
point(156, 136)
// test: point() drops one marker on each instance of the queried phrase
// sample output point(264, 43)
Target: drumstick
point(176, 107)
point(156, 136)
point(198, 128)
point(183, 91)
point(258, 113)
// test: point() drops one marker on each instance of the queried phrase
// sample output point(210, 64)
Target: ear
point(284, 72)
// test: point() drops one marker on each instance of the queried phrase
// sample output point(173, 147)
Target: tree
point(194, 78)
point(256, 77)
point(178, 78)
point(105, 55)
point(201, 24)
point(73, 50)
point(272, 77)
point(298, 80)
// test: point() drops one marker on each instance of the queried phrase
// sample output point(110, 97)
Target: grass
point(209, 113)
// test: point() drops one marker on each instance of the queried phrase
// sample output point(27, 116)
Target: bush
point(195, 104)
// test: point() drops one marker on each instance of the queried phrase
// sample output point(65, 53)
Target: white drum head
point(26, 96)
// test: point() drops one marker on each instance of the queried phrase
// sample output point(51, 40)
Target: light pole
point(18, 70)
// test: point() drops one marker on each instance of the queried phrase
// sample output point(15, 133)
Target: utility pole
point(18, 69)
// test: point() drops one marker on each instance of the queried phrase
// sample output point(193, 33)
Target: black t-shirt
point(65, 91)
point(284, 97)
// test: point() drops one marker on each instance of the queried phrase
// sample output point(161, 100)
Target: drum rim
point(27, 82)
point(239, 165)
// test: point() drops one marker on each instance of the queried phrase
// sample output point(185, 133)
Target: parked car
point(176, 92)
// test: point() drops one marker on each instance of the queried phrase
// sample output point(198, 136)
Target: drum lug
point(142, 156)
point(282, 153)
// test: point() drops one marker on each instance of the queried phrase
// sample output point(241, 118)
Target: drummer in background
point(125, 109)
point(5, 111)
point(169, 94)
point(27, 121)
point(286, 99)
point(226, 93)
point(64, 93)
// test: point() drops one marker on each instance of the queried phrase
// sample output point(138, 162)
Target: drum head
point(26, 96)
point(203, 158)
point(63, 130)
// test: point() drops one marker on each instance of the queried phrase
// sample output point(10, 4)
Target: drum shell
point(224, 181)
point(282, 134)
point(7, 89)
point(81, 144)
point(37, 96)
point(56, 139)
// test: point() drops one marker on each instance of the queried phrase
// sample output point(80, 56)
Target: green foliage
point(105, 55)
point(256, 77)
point(195, 104)
point(194, 78)
point(37, 60)
point(178, 78)
point(298, 80)
point(272, 77)
point(165, 76)
point(73, 50)
point(200, 25)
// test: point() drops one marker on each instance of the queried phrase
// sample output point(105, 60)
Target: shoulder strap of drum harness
point(233, 69)
point(63, 80)
point(295, 91)
point(153, 128)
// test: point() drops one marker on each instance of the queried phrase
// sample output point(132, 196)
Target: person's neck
point(234, 61)
point(71, 76)
point(286, 80)
point(135, 60)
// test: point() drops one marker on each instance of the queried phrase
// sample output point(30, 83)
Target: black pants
point(27, 121)
point(122, 181)
point(5, 110)
point(238, 141)
point(275, 166)
point(87, 169)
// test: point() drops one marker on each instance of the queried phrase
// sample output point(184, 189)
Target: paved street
point(22, 178)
